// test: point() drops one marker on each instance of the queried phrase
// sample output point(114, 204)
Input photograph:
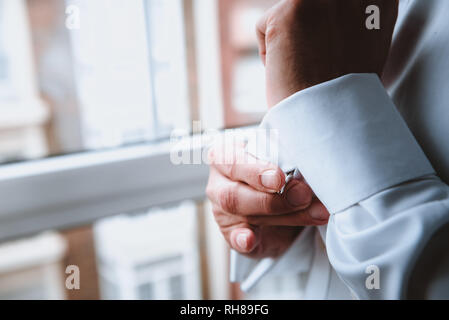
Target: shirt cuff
point(347, 139)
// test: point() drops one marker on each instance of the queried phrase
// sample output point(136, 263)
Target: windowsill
point(72, 190)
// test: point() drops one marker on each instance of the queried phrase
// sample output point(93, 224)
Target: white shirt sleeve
point(358, 155)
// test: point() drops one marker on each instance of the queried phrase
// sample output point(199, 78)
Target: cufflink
point(291, 175)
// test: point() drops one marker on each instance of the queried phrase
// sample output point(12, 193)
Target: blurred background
point(81, 76)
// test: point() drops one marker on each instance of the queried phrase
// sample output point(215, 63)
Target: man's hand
point(254, 218)
point(306, 42)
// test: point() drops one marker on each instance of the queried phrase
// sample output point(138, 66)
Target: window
point(90, 92)
point(243, 72)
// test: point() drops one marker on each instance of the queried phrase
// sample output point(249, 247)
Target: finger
point(241, 236)
point(315, 215)
point(298, 193)
point(239, 199)
point(238, 165)
point(243, 240)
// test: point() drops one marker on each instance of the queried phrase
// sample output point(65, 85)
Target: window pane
point(112, 72)
point(79, 75)
point(152, 254)
point(243, 72)
point(160, 253)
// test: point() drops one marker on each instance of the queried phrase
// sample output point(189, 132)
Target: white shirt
point(378, 159)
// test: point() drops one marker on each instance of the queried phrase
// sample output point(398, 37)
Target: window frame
point(76, 189)
point(73, 190)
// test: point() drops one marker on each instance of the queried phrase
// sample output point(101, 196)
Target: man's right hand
point(254, 218)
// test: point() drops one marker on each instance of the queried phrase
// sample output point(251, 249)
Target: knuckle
point(218, 216)
point(221, 219)
point(216, 212)
point(272, 30)
point(281, 20)
point(228, 199)
point(277, 27)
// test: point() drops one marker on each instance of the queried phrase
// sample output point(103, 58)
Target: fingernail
point(271, 180)
point(298, 196)
point(242, 241)
point(319, 212)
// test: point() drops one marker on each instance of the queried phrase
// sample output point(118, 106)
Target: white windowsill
point(78, 189)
